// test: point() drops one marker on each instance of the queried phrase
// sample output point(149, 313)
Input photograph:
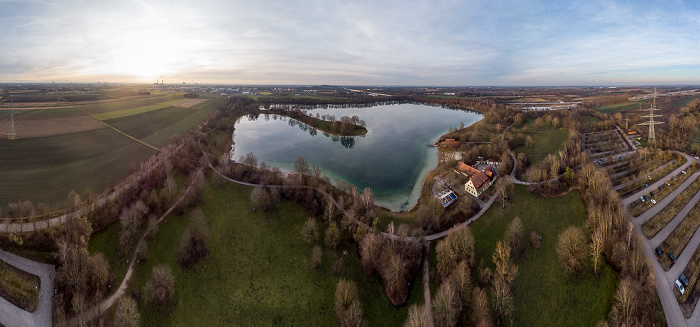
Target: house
point(631, 133)
point(478, 180)
point(448, 142)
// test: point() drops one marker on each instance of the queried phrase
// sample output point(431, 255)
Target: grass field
point(18, 287)
point(611, 109)
point(258, 274)
point(589, 119)
point(545, 143)
point(544, 294)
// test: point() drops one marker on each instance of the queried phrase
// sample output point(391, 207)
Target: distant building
point(448, 142)
point(478, 180)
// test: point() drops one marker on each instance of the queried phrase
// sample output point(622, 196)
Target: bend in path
point(11, 315)
point(96, 311)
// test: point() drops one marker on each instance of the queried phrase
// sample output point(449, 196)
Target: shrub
point(127, 314)
point(417, 317)
point(332, 236)
point(316, 256)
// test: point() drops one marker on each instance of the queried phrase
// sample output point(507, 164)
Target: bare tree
point(446, 305)
point(310, 230)
point(571, 250)
point(417, 316)
point(503, 299)
point(347, 305)
point(515, 238)
point(332, 238)
point(161, 287)
point(127, 314)
point(457, 246)
point(505, 187)
point(505, 268)
point(597, 248)
point(316, 256)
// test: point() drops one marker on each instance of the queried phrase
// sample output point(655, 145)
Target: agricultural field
point(69, 148)
point(544, 294)
point(259, 272)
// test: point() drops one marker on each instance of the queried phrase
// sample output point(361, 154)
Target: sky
point(366, 42)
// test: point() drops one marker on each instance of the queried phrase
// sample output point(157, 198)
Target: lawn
point(545, 143)
point(19, 287)
point(544, 294)
point(259, 272)
point(589, 119)
point(46, 169)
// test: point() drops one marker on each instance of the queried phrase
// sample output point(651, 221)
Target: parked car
point(645, 197)
point(661, 187)
point(645, 184)
point(696, 158)
point(683, 280)
point(642, 198)
point(659, 252)
point(683, 171)
point(672, 257)
point(680, 287)
point(651, 194)
point(653, 201)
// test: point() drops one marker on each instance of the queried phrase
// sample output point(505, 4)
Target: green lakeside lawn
point(544, 294)
point(259, 272)
point(545, 142)
point(613, 108)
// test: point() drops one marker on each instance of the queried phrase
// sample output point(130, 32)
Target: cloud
point(477, 42)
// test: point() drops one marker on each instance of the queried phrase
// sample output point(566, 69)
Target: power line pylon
point(651, 116)
point(627, 123)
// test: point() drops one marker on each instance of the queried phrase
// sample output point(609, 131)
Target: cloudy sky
point(395, 42)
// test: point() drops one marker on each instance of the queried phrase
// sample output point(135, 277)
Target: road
point(11, 315)
point(665, 280)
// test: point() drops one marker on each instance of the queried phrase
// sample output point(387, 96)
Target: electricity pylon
point(651, 116)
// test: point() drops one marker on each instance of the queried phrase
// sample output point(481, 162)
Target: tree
point(505, 187)
point(347, 304)
point(370, 248)
point(597, 248)
point(529, 142)
point(127, 314)
point(316, 256)
point(535, 241)
point(446, 305)
point(194, 243)
point(515, 238)
point(505, 268)
point(503, 299)
point(310, 230)
point(332, 238)
point(457, 246)
point(417, 316)
point(462, 279)
point(99, 268)
point(301, 167)
point(161, 287)
point(265, 198)
point(571, 250)
point(480, 308)
point(623, 310)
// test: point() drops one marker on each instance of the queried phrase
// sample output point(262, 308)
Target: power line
point(651, 116)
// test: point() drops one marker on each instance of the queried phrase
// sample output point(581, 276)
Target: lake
point(392, 158)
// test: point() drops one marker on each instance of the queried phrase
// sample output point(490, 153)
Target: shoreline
point(363, 130)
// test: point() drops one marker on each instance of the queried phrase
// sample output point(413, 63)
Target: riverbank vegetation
point(345, 126)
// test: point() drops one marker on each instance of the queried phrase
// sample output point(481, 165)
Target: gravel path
point(11, 315)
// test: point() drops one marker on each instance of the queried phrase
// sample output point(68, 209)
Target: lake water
point(392, 158)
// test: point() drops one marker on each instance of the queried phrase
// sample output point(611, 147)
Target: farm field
point(611, 109)
point(259, 272)
point(543, 294)
point(60, 150)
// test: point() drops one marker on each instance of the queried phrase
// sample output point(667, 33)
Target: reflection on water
point(392, 158)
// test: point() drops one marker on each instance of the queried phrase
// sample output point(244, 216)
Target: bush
point(535, 241)
point(161, 287)
point(265, 198)
point(194, 244)
point(571, 250)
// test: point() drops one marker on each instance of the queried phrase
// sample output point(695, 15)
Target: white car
point(679, 286)
point(653, 201)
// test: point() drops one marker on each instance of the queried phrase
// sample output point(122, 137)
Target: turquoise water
point(392, 158)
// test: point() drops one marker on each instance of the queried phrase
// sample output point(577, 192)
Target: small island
point(346, 126)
